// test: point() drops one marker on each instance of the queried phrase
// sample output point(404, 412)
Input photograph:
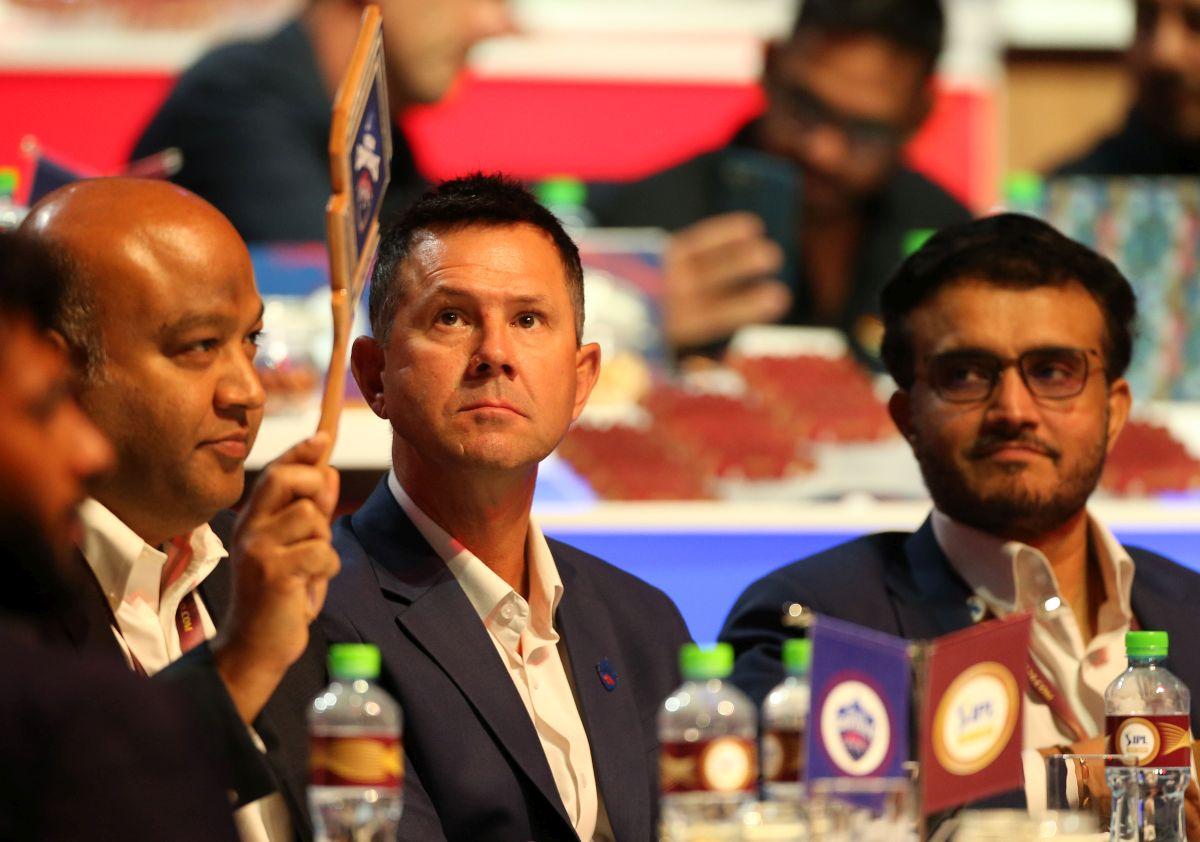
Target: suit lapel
point(609, 717)
point(88, 623)
point(431, 607)
point(929, 597)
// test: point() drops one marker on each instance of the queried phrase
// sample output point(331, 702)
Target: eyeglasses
point(1048, 373)
point(1149, 12)
point(808, 112)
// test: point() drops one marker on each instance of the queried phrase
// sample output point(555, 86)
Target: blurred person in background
point(252, 119)
point(804, 215)
point(1161, 133)
point(90, 752)
point(1008, 342)
point(161, 318)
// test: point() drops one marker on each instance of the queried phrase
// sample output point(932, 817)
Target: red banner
point(974, 683)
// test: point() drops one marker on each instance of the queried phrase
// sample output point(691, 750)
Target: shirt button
point(506, 612)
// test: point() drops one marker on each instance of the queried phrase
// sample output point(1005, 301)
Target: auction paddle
point(360, 154)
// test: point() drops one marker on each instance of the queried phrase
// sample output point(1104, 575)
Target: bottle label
point(1150, 740)
point(363, 760)
point(724, 764)
point(783, 755)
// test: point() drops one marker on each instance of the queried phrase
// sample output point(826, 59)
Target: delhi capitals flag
point(858, 722)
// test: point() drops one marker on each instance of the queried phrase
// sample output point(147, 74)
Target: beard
point(1171, 104)
point(1002, 504)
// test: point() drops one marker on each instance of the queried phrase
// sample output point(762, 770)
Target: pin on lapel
point(608, 676)
point(977, 608)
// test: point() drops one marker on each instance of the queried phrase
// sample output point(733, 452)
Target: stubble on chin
point(1000, 500)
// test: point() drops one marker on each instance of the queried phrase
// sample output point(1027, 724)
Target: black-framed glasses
point(1053, 373)
point(809, 112)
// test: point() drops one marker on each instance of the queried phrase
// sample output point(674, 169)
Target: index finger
point(281, 483)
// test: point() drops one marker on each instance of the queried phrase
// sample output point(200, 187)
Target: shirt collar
point(484, 588)
point(1011, 575)
point(128, 568)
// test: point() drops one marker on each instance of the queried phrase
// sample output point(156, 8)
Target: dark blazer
point(281, 724)
point(475, 769)
point(902, 583)
point(92, 752)
point(251, 119)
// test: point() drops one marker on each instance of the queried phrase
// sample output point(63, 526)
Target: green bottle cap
point(1146, 644)
point(561, 191)
point(797, 655)
point(700, 663)
point(1023, 189)
point(352, 661)
point(916, 238)
point(8, 181)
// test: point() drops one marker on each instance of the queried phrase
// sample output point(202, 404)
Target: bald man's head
point(99, 230)
point(163, 314)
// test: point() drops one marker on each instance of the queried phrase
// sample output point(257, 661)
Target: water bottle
point(708, 758)
point(1147, 719)
point(356, 766)
point(784, 719)
point(566, 198)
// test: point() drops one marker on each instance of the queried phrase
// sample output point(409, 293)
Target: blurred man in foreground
point(252, 119)
point(539, 665)
point(161, 317)
point(1008, 343)
point(89, 751)
point(803, 216)
point(1161, 133)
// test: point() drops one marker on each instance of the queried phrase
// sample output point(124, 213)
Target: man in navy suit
point(530, 673)
point(1008, 343)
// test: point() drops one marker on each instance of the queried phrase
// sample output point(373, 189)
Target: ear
point(1119, 402)
point(58, 340)
point(921, 108)
point(900, 408)
point(587, 372)
point(366, 364)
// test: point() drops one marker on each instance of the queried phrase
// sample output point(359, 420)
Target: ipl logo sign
point(976, 718)
point(856, 728)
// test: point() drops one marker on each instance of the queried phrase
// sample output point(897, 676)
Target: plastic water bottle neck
point(1136, 661)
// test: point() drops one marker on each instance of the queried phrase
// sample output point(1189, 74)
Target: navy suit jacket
point(282, 724)
point(475, 769)
point(902, 583)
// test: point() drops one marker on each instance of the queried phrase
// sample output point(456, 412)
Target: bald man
point(162, 318)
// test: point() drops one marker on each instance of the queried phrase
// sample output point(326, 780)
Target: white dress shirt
point(532, 653)
point(1009, 576)
point(130, 574)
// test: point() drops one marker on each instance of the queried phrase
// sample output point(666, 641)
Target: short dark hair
point(916, 25)
point(1007, 250)
point(31, 284)
point(476, 200)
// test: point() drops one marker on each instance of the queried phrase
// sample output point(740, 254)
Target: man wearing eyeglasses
point(1161, 133)
point(1008, 343)
point(804, 214)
